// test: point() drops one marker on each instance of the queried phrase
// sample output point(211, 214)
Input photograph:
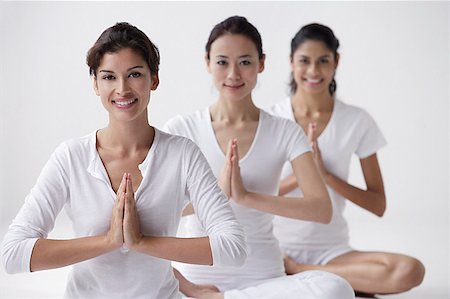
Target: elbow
point(326, 216)
point(230, 250)
point(239, 255)
point(381, 207)
point(7, 262)
point(380, 211)
point(326, 211)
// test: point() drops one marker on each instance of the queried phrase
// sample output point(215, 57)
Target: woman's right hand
point(114, 236)
point(225, 176)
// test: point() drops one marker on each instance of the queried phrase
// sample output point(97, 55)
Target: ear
point(336, 60)
point(95, 85)
point(207, 61)
point(155, 82)
point(262, 62)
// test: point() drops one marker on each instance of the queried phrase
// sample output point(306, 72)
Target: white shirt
point(350, 130)
point(276, 141)
point(75, 178)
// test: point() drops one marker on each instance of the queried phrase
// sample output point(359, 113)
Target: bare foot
point(196, 291)
point(206, 292)
point(292, 267)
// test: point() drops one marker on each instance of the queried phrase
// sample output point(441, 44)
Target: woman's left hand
point(238, 191)
point(131, 228)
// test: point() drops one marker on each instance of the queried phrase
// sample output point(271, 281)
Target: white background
point(394, 63)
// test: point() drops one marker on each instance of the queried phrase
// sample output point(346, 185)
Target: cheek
point(297, 73)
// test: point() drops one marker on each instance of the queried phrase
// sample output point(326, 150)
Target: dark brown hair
point(235, 25)
point(123, 35)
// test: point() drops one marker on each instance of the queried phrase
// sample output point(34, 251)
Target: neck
point(129, 136)
point(234, 111)
point(310, 104)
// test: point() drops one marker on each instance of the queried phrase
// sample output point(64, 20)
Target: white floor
point(366, 233)
point(50, 284)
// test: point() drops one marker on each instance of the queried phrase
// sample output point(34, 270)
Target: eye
point(108, 77)
point(303, 61)
point(221, 62)
point(245, 62)
point(324, 60)
point(135, 75)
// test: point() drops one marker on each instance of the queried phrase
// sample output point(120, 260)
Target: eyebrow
point(242, 56)
point(134, 67)
point(326, 55)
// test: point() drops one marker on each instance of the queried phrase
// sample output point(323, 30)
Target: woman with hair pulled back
point(123, 188)
point(336, 131)
point(247, 148)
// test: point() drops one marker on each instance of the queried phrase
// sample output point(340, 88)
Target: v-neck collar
point(329, 123)
point(208, 119)
point(97, 169)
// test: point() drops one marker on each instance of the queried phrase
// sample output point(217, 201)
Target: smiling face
point(234, 64)
point(124, 84)
point(313, 67)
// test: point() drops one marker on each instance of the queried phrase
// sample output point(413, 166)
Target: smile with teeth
point(123, 103)
point(313, 81)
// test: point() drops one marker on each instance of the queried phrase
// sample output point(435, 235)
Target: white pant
point(304, 285)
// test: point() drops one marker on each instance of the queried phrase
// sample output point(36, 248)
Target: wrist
point(137, 244)
point(109, 244)
point(244, 198)
point(327, 176)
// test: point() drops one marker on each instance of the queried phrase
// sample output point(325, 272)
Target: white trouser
point(304, 285)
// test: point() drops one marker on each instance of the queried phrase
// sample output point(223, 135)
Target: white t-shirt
point(277, 140)
point(75, 178)
point(349, 130)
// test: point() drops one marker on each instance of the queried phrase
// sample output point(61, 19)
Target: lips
point(313, 81)
point(124, 103)
point(234, 86)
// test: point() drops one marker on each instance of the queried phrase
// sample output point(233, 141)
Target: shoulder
point(351, 111)
point(181, 122)
point(173, 142)
point(77, 146)
point(279, 122)
point(281, 108)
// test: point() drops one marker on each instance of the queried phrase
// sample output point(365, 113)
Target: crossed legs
point(370, 272)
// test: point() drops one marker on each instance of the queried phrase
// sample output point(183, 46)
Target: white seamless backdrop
point(394, 63)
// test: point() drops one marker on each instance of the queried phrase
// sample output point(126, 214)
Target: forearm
point(369, 200)
point(50, 254)
point(317, 209)
point(185, 250)
point(287, 185)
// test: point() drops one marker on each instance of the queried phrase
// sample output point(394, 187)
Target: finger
point(121, 188)
point(312, 131)
point(121, 206)
point(235, 150)
point(316, 150)
point(229, 151)
point(130, 191)
point(234, 167)
point(309, 132)
point(130, 185)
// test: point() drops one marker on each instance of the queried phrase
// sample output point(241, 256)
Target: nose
point(234, 72)
point(122, 87)
point(313, 68)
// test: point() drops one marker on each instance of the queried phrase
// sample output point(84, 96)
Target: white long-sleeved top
point(75, 178)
